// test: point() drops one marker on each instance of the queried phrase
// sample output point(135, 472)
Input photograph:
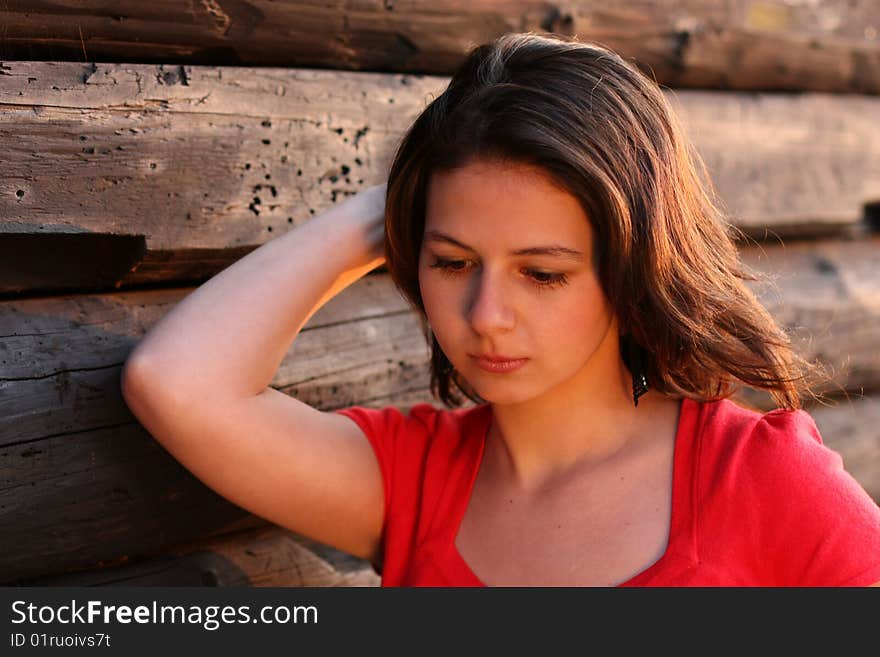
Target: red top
point(757, 500)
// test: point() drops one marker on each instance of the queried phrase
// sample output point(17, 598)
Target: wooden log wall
point(124, 184)
point(736, 44)
point(263, 556)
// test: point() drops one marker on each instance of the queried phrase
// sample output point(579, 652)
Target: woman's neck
point(582, 423)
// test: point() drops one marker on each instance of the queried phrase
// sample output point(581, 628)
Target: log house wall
point(128, 178)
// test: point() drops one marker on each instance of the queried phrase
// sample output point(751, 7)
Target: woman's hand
point(367, 209)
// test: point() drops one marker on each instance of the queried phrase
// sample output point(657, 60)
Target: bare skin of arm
point(199, 383)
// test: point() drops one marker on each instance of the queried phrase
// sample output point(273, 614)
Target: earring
point(636, 363)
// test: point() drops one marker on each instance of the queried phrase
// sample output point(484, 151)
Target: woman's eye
point(541, 279)
point(547, 279)
point(449, 265)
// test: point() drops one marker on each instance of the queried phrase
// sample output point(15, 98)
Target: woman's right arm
point(199, 383)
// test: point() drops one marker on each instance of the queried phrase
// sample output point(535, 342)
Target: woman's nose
point(489, 308)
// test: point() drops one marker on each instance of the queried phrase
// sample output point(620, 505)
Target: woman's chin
point(499, 392)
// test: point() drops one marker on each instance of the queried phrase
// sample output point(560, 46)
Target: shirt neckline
point(680, 529)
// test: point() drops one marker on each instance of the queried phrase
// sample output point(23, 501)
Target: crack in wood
point(128, 108)
point(318, 377)
point(57, 372)
point(36, 335)
point(352, 320)
point(6, 446)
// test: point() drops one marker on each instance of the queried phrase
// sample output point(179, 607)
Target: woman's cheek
point(437, 301)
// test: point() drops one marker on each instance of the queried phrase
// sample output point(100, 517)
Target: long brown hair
point(665, 256)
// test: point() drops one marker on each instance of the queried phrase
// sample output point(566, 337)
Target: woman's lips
point(499, 366)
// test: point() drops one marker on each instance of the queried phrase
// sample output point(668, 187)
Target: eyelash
point(555, 280)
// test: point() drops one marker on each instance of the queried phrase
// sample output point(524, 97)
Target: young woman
point(544, 217)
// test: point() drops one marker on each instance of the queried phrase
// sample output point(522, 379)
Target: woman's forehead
point(515, 205)
point(494, 176)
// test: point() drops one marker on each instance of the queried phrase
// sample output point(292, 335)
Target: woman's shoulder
point(729, 422)
point(751, 447)
point(766, 482)
point(422, 445)
point(421, 420)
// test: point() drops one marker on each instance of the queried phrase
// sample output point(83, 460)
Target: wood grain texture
point(737, 44)
point(81, 482)
point(263, 556)
point(786, 165)
point(125, 150)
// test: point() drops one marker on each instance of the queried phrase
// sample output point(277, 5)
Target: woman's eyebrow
point(551, 250)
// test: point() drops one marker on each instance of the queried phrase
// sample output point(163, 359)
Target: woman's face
point(506, 270)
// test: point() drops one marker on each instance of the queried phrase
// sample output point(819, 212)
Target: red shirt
point(757, 500)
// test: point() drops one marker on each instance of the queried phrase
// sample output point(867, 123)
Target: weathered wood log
point(195, 168)
point(81, 483)
point(144, 175)
point(265, 556)
point(787, 165)
point(739, 44)
point(272, 556)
